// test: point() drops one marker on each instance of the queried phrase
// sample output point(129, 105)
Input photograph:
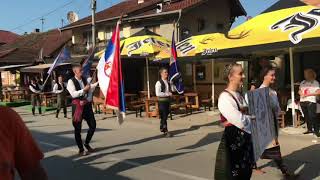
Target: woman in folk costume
point(268, 79)
point(234, 159)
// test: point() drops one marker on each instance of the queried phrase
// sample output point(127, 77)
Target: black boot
point(39, 110)
point(57, 113)
point(65, 112)
point(33, 111)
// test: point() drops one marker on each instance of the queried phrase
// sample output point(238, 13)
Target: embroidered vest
point(77, 85)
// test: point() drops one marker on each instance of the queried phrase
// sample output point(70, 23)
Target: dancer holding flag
point(79, 88)
point(110, 76)
point(62, 57)
point(174, 74)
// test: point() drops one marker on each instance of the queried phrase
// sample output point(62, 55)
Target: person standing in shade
point(234, 159)
point(79, 88)
point(163, 93)
point(308, 100)
point(60, 89)
point(35, 89)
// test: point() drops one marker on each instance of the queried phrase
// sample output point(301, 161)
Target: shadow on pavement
point(305, 161)
point(208, 139)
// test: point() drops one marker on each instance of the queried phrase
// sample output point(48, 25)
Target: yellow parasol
point(285, 25)
point(290, 27)
point(143, 44)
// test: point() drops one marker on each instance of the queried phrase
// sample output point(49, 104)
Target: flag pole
point(45, 82)
point(148, 78)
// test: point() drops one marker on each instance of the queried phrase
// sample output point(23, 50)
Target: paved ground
point(135, 150)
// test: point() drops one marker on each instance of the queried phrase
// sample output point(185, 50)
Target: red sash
point(77, 116)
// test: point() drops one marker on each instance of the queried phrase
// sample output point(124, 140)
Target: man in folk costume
point(163, 92)
point(79, 88)
point(35, 95)
point(60, 89)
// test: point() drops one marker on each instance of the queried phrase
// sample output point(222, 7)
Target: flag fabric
point(174, 74)
point(62, 57)
point(110, 75)
point(87, 63)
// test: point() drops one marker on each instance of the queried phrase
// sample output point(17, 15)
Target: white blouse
point(229, 109)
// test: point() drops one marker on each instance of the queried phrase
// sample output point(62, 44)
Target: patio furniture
point(177, 104)
point(192, 98)
point(153, 101)
point(299, 113)
point(48, 99)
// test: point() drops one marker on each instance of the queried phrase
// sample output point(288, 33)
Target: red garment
point(18, 150)
point(224, 121)
point(77, 116)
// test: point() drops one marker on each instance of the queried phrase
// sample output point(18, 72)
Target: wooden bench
point(281, 119)
point(137, 106)
point(206, 103)
point(186, 106)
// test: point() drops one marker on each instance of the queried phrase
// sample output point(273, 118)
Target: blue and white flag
point(62, 57)
point(174, 74)
point(87, 63)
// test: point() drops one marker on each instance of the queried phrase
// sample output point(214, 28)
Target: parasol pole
point(148, 78)
point(212, 86)
point(292, 86)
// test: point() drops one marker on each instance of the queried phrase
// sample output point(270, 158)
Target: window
point(201, 24)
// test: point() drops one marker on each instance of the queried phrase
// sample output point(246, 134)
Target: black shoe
point(318, 135)
point(167, 135)
point(308, 132)
point(89, 148)
point(82, 153)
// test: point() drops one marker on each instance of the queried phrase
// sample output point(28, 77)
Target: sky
point(21, 16)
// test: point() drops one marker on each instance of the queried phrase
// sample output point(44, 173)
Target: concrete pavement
point(135, 150)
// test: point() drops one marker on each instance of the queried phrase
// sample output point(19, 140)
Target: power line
point(41, 17)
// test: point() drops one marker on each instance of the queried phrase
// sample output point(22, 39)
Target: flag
point(62, 57)
point(87, 63)
point(174, 74)
point(110, 76)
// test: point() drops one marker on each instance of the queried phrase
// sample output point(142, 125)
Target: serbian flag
point(62, 57)
point(174, 74)
point(110, 76)
point(87, 63)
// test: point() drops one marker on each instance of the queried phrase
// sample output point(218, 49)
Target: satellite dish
point(72, 17)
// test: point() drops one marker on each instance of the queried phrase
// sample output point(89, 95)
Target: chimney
point(140, 1)
point(36, 30)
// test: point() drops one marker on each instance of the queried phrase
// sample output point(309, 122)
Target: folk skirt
point(234, 159)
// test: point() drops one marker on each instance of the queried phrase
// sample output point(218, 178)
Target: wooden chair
point(206, 102)
point(137, 106)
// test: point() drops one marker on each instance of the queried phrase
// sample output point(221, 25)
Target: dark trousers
point(61, 103)
point(35, 101)
point(164, 110)
point(310, 113)
point(88, 116)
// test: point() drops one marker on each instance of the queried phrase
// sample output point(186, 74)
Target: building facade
point(192, 17)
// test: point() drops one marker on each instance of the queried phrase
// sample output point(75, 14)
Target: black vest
point(36, 87)
point(61, 87)
point(77, 85)
point(163, 86)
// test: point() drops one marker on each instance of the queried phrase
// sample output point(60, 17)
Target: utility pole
point(42, 23)
point(93, 8)
point(62, 23)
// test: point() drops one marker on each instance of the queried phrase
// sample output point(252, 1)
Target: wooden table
point(149, 102)
point(48, 98)
point(189, 96)
point(13, 95)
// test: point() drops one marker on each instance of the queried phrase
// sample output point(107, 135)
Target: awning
point(13, 67)
point(294, 26)
point(40, 68)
